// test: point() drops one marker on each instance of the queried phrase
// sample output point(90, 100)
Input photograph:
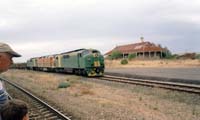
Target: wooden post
point(149, 54)
point(143, 54)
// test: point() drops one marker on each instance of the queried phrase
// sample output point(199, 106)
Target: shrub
point(109, 58)
point(197, 56)
point(131, 56)
point(124, 61)
point(64, 85)
point(170, 56)
point(116, 55)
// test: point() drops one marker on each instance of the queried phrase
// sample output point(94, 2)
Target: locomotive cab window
point(85, 52)
point(65, 56)
point(95, 51)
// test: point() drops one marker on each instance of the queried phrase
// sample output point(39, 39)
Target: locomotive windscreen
point(95, 51)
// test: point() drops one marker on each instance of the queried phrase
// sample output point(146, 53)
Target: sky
point(43, 27)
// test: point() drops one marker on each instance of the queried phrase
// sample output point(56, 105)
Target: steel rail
point(155, 83)
point(58, 113)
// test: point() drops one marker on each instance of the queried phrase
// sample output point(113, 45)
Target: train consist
point(87, 62)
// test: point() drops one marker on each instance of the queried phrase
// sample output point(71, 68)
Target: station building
point(142, 50)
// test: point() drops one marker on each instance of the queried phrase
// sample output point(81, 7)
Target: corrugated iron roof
point(137, 47)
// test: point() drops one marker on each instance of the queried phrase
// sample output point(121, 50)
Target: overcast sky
point(42, 27)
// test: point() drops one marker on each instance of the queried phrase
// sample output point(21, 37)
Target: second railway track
point(39, 110)
point(190, 88)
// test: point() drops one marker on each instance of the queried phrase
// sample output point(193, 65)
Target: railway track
point(39, 110)
point(152, 83)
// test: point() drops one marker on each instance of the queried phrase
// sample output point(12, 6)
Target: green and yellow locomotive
point(88, 62)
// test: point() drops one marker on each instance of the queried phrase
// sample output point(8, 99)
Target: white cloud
point(3, 23)
point(40, 27)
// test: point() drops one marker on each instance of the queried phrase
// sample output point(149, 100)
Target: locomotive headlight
point(96, 55)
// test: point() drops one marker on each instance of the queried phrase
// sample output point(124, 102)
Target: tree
point(131, 56)
point(197, 56)
point(167, 54)
point(116, 55)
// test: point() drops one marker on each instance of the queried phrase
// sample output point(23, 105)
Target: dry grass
point(153, 63)
point(95, 100)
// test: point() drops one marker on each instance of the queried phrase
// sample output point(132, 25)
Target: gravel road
point(169, 74)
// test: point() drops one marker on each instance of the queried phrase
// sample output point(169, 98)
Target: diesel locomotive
point(87, 62)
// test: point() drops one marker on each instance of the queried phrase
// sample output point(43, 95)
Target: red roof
point(137, 47)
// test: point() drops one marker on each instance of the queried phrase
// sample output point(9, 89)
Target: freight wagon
point(88, 62)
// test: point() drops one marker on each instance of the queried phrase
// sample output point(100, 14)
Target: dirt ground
point(153, 63)
point(91, 99)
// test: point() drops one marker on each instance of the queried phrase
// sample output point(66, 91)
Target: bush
point(131, 56)
point(109, 58)
point(197, 56)
point(64, 85)
point(124, 61)
point(116, 55)
point(170, 56)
